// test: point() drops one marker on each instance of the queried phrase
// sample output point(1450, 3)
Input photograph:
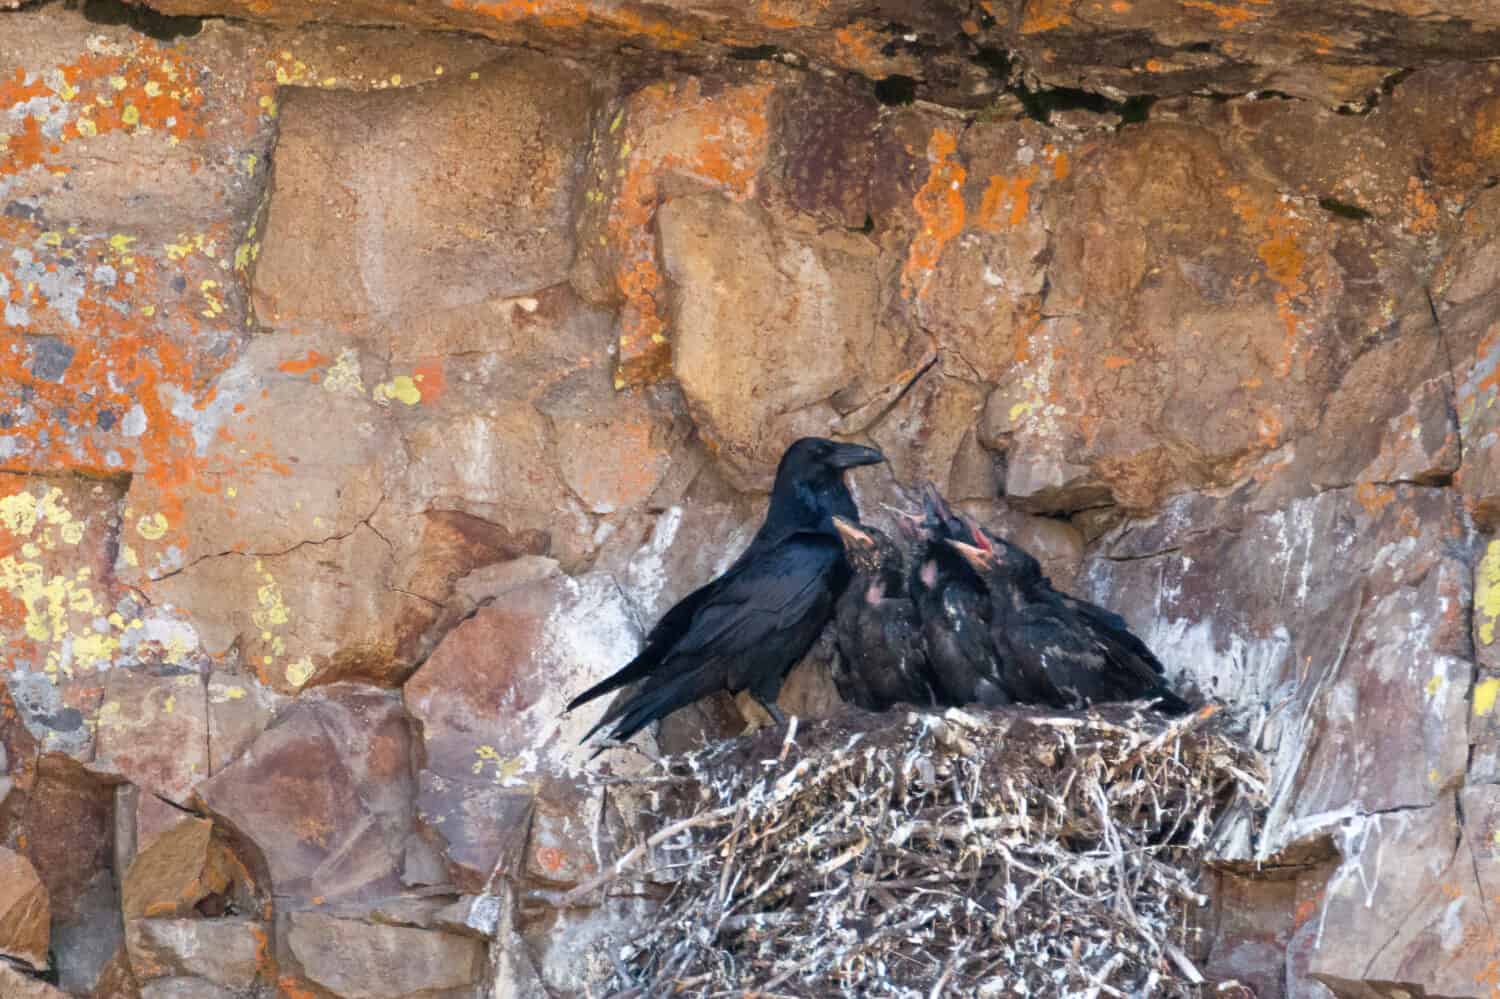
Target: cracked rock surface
point(372, 375)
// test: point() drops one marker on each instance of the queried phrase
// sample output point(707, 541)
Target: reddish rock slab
point(179, 869)
point(1425, 919)
point(490, 703)
point(25, 914)
point(1333, 628)
point(359, 960)
point(64, 830)
point(226, 952)
point(324, 794)
point(477, 828)
point(153, 730)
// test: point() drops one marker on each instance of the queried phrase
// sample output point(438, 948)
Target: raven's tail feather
point(1169, 703)
point(652, 704)
point(636, 669)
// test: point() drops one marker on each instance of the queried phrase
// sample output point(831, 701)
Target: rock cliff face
point(372, 373)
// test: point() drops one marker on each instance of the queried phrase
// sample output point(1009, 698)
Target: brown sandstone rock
point(324, 794)
point(18, 985)
point(226, 952)
point(1336, 615)
point(24, 911)
point(175, 872)
point(666, 139)
point(400, 228)
point(357, 960)
point(1443, 935)
point(489, 701)
point(763, 327)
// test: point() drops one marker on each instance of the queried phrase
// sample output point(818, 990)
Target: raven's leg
point(769, 704)
point(770, 707)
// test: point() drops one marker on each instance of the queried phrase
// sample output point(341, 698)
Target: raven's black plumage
point(747, 628)
point(955, 611)
point(882, 656)
point(1064, 652)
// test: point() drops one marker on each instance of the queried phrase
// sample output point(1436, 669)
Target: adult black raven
point(1066, 652)
point(747, 628)
point(882, 656)
point(955, 611)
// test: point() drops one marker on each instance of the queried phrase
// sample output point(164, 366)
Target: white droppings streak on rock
point(1235, 669)
point(588, 635)
point(646, 575)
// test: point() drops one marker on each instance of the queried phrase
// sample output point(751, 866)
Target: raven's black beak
point(854, 455)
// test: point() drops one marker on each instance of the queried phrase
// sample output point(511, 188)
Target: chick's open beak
point(977, 557)
point(852, 536)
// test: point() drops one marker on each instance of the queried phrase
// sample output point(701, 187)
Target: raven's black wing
point(747, 632)
point(1113, 626)
point(1083, 657)
point(673, 625)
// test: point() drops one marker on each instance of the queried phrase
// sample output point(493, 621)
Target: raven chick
point(746, 629)
point(1066, 652)
point(955, 612)
point(882, 657)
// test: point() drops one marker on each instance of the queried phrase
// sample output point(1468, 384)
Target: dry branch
point(970, 853)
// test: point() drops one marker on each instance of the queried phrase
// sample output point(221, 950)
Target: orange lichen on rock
point(626, 21)
point(302, 365)
point(718, 140)
point(149, 88)
point(1230, 16)
point(1421, 210)
point(1281, 252)
point(1005, 201)
point(857, 47)
point(1045, 15)
point(940, 205)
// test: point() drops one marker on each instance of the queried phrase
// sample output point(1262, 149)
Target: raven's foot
point(770, 707)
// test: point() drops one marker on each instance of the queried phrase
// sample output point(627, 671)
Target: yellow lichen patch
point(269, 617)
point(152, 526)
point(18, 513)
point(94, 649)
point(343, 377)
point(1487, 594)
point(297, 673)
point(507, 769)
point(940, 205)
point(1434, 685)
point(1484, 697)
point(401, 388)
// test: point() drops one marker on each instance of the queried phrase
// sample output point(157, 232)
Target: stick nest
point(981, 853)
